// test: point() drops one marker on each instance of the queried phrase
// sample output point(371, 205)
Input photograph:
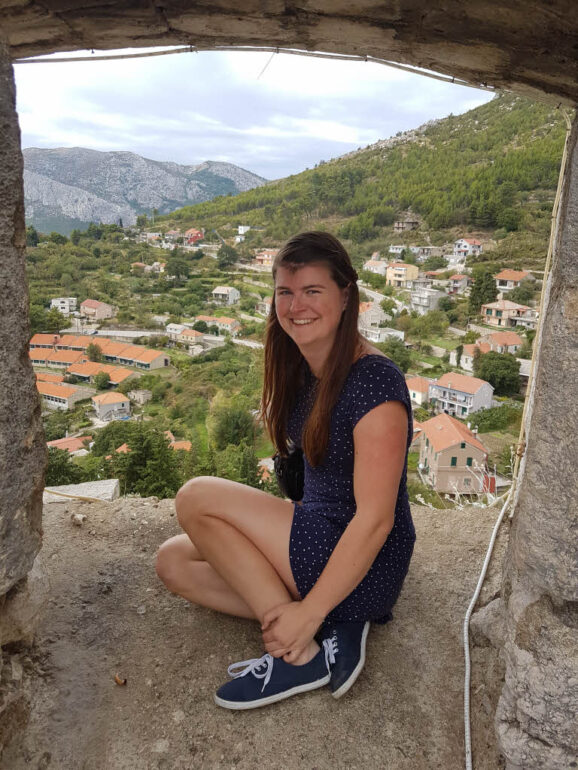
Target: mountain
point(69, 188)
point(489, 173)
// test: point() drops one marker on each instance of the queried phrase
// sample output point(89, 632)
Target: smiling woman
point(313, 572)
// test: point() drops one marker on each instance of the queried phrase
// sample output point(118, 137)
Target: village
point(97, 363)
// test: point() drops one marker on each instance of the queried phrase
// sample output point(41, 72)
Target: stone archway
point(528, 46)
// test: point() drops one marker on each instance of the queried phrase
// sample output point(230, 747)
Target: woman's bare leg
point(244, 535)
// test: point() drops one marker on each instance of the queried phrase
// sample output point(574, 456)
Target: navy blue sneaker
point(266, 680)
point(348, 642)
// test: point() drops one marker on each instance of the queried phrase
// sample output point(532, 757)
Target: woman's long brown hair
point(284, 363)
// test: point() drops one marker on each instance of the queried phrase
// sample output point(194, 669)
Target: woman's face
point(309, 306)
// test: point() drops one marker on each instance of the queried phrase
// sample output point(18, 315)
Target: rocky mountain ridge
point(66, 188)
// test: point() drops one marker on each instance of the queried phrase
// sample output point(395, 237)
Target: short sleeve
point(377, 380)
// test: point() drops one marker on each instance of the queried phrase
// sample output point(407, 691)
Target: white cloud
point(193, 107)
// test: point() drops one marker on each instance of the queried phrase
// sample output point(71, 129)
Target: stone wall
point(22, 449)
point(536, 717)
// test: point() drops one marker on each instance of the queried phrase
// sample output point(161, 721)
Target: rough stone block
point(23, 607)
point(488, 624)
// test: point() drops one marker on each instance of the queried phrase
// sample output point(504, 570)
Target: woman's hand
point(288, 629)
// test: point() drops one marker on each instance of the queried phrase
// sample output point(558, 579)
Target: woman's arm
point(379, 439)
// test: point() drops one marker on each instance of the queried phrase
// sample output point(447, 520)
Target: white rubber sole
point(255, 704)
point(357, 670)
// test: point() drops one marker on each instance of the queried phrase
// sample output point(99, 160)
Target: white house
point(423, 299)
point(375, 266)
point(460, 395)
point(397, 249)
point(466, 360)
point(226, 295)
point(66, 305)
point(459, 282)
point(506, 280)
point(111, 406)
point(264, 306)
point(56, 396)
point(466, 247)
point(418, 389)
point(173, 331)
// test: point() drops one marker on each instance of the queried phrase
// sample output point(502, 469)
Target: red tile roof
point(460, 382)
point(70, 444)
point(512, 275)
point(418, 383)
point(58, 391)
point(444, 431)
point(48, 377)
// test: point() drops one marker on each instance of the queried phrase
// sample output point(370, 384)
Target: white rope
point(263, 49)
point(520, 448)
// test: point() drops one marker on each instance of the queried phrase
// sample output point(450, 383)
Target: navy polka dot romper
point(328, 503)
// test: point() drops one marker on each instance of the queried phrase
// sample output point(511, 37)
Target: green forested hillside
point(493, 169)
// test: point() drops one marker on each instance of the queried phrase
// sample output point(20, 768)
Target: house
point(423, 299)
point(406, 224)
point(111, 406)
point(97, 311)
point(190, 337)
point(375, 266)
point(210, 320)
point(467, 247)
point(243, 229)
point(143, 358)
point(452, 459)
point(158, 267)
point(78, 342)
point(192, 236)
point(45, 341)
point(370, 320)
point(418, 389)
point(57, 359)
point(225, 295)
point(136, 267)
point(77, 446)
point(265, 257)
point(459, 282)
point(264, 306)
point(173, 331)
point(508, 314)
point(172, 235)
point(398, 249)
point(56, 396)
point(140, 396)
point(506, 280)
point(88, 370)
point(460, 395)
point(66, 305)
point(466, 360)
point(401, 275)
point(49, 377)
point(229, 325)
point(502, 342)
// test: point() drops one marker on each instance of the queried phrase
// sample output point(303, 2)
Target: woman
point(337, 559)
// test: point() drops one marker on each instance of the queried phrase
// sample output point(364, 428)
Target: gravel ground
point(110, 615)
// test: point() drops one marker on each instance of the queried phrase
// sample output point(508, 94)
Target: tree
point(434, 263)
point(501, 370)
point(58, 238)
point(482, 292)
point(178, 267)
point(522, 293)
point(396, 350)
point(102, 380)
point(31, 236)
point(232, 425)
point(226, 256)
point(61, 468)
point(54, 321)
point(94, 352)
point(200, 326)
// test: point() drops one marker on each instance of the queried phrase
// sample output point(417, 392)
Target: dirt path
point(109, 614)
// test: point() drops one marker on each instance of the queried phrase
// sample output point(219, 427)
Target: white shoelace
point(252, 666)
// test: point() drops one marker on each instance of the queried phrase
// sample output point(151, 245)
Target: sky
point(272, 115)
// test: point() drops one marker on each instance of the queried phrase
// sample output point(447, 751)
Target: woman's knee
point(169, 564)
point(191, 499)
